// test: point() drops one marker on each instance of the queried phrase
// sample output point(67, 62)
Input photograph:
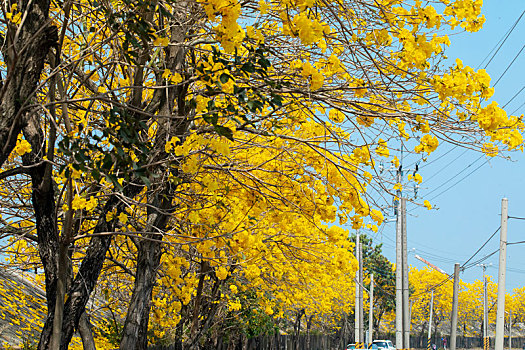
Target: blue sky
point(469, 212)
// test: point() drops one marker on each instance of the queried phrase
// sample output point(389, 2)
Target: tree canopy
point(183, 160)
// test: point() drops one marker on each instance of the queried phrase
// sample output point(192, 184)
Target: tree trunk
point(136, 324)
point(25, 61)
point(85, 280)
point(197, 303)
point(210, 312)
point(297, 328)
point(43, 199)
point(308, 327)
point(148, 263)
point(90, 268)
point(150, 249)
point(84, 328)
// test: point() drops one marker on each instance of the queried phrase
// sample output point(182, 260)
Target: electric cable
point(509, 65)
point(453, 177)
point(513, 97)
point(484, 244)
point(457, 182)
point(517, 109)
point(450, 276)
point(434, 160)
point(480, 260)
point(446, 166)
point(502, 41)
point(512, 269)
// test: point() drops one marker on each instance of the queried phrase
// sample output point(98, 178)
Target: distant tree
point(178, 148)
point(374, 262)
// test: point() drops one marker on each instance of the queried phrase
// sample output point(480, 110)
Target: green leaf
point(248, 67)
point(224, 131)
point(146, 180)
point(96, 174)
point(224, 78)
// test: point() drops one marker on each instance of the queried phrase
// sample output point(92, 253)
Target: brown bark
point(148, 263)
point(89, 271)
point(198, 297)
point(150, 249)
point(137, 318)
point(24, 55)
point(85, 280)
point(43, 198)
point(210, 313)
point(84, 328)
point(308, 327)
point(297, 328)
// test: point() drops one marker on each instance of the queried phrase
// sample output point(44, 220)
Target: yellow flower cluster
point(81, 203)
point(229, 33)
point(417, 178)
point(499, 126)
point(428, 144)
point(308, 30)
point(14, 16)
point(418, 49)
point(490, 149)
point(382, 148)
point(22, 147)
point(466, 13)
point(462, 83)
point(316, 78)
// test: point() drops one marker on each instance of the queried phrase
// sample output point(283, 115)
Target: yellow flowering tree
point(470, 302)
point(192, 151)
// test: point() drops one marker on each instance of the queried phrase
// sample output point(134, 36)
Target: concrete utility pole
point(454, 316)
point(429, 345)
point(399, 279)
point(361, 305)
point(510, 329)
point(406, 310)
point(500, 312)
point(357, 288)
point(371, 312)
point(485, 312)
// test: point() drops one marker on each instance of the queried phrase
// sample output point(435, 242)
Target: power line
point(502, 41)
point(459, 173)
point(463, 267)
point(484, 244)
point(513, 97)
point(511, 269)
point(517, 109)
point(446, 166)
point(457, 182)
point(434, 256)
point(434, 160)
point(510, 64)
point(480, 260)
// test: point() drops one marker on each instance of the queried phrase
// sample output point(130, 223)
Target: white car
point(382, 345)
